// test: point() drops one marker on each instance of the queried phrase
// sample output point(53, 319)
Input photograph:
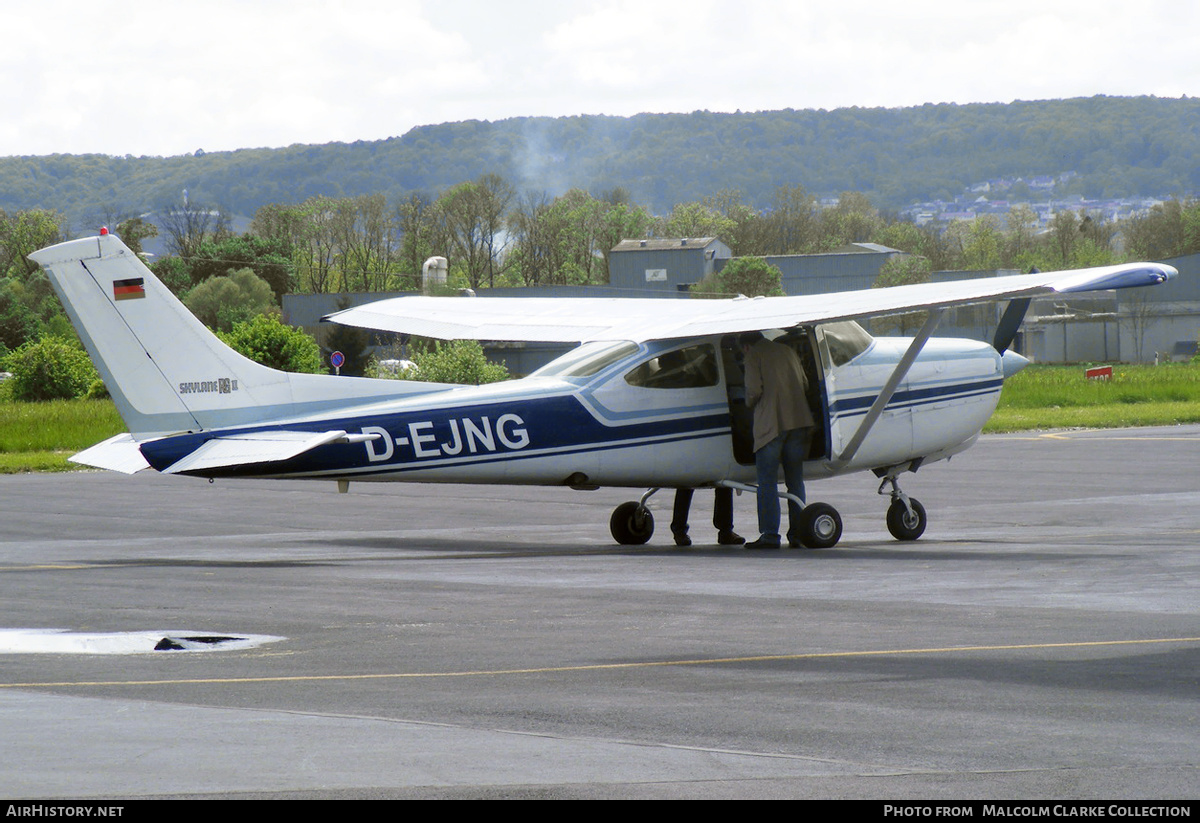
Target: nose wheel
point(906, 524)
point(906, 518)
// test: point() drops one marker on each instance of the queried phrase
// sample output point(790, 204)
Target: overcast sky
point(168, 77)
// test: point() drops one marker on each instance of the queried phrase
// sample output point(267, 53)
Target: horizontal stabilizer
point(258, 447)
point(118, 454)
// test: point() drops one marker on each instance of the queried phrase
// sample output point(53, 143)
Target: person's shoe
point(730, 538)
point(681, 539)
point(763, 543)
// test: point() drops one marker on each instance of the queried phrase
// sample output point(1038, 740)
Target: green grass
point(41, 436)
point(1060, 397)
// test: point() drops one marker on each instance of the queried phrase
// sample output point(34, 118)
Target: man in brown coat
point(776, 391)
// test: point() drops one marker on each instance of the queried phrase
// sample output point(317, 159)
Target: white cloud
point(170, 77)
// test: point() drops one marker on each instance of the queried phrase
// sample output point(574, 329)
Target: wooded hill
point(1116, 146)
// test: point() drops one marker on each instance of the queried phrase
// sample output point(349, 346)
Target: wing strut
point(889, 388)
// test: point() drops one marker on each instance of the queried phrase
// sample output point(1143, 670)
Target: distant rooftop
point(864, 248)
point(659, 243)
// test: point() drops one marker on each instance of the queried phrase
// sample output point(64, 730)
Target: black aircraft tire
point(631, 524)
point(820, 526)
point(905, 526)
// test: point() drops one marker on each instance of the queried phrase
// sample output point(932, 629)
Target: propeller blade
point(1010, 322)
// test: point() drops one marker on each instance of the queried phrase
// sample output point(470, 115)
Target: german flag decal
point(130, 289)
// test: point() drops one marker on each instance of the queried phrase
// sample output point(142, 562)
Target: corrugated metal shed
point(664, 264)
point(843, 270)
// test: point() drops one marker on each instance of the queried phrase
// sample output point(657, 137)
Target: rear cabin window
point(693, 367)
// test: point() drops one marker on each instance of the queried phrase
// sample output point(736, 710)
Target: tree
point(697, 220)
point(536, 253)
point(1021, 239)
point(269, 259)
point(175, 274)
point(751, 276)
point(1064, 229)
point(902, 270)
point(264, 339)
point(23, 233)
point(422, 235)
point(364, 235)
point(498, 194)
point(455, 361)
point(1138, 313)
point(351, 342)
point(793, 224)
point(981, 243)
point(133, 231)
point(620, 221)
point(304, 230)
point(18, 323)
point(1171, 229)
point(51, 368)
point(474, 218)
point(191, 224)
point(852, 220)
point(577, 219)
point(220, 302)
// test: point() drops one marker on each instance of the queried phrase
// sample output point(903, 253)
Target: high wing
point(575, 320)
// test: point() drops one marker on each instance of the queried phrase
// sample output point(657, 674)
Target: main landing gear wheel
point(631, 524)
point(820, 526)
point(905, 525)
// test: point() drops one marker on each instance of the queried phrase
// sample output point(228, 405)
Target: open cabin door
point(855, 374)
point(805, 343)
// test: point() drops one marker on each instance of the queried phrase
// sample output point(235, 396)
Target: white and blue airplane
point(650, 398)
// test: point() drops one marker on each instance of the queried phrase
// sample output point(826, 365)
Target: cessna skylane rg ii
point(651, 398)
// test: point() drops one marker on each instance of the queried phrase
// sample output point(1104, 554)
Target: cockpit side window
point(692, 367)
point(846, 340)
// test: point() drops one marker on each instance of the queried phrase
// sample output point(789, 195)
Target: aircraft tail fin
point(165, 370)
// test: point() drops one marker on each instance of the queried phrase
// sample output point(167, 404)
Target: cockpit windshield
point(588, 359)
point(846, 340)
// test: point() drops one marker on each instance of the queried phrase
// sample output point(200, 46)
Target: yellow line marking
point(50, 567)
point(1098, 434)
point(313, 678)
point(1155, 439)
point(350, 557)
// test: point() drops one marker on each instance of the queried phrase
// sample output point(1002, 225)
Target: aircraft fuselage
point(604, 429)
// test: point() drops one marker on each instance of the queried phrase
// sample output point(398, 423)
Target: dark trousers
point(722, 510)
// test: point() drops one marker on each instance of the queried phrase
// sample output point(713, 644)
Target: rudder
point(165, 370)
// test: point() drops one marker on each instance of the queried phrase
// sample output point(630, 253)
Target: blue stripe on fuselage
point(425, 438)
point(919, 396)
